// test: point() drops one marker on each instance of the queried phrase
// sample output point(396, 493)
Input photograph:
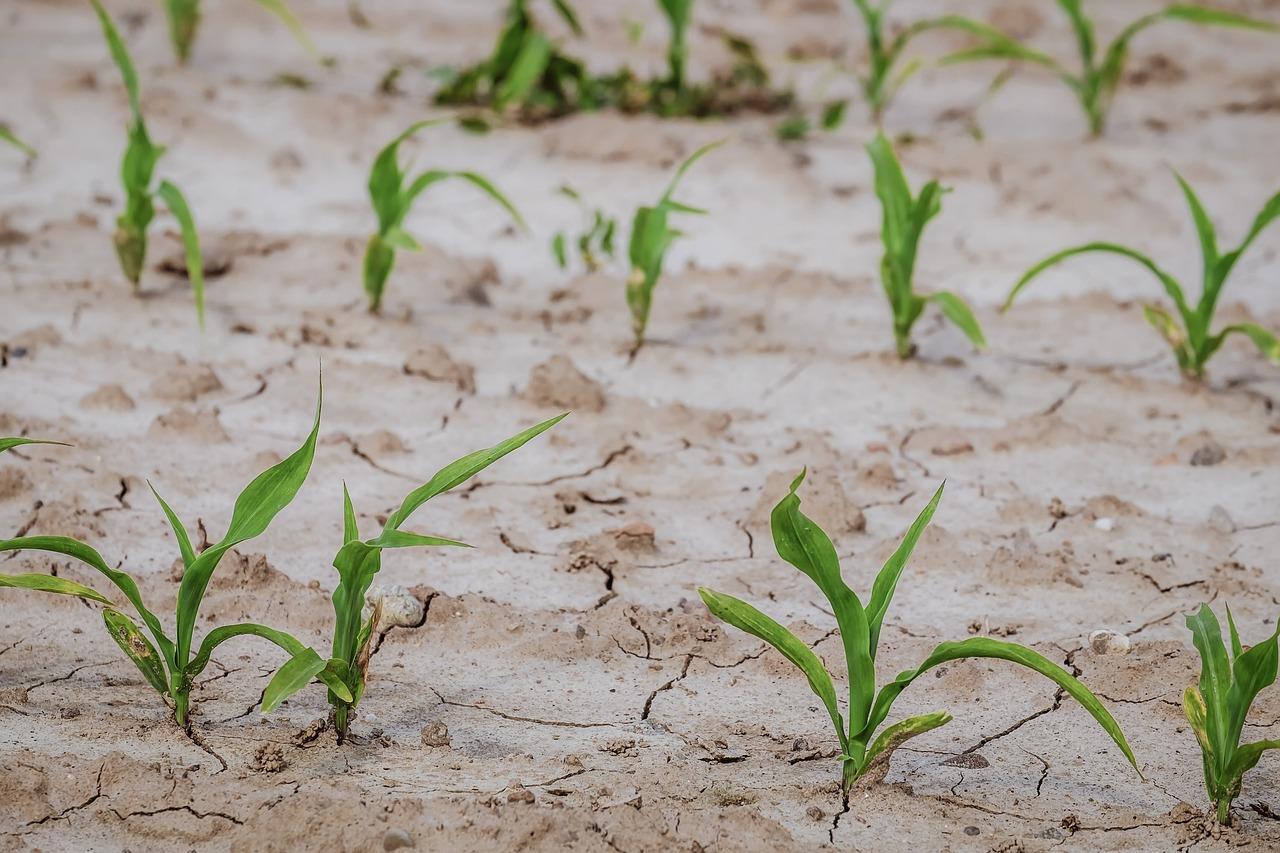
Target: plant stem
point(1224, 812)
point(181, 701)
point(340, 721)
point(849, 775)
point(906, 349)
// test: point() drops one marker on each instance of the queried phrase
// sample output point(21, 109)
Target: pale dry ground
point(592, 703)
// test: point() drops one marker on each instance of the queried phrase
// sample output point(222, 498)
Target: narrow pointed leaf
point(299, 671)
point(10, 443)
point(887, 580)
point(49, 583)
point(958, 313)
point(137, 648)
point(177, 205)
point(1215, 675)
point(179, 530)
point(900, 732)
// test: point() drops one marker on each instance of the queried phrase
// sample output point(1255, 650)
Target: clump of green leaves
point(1217, 708)
point(360, 560)
point(169, 665)
point(184, 20)
point(651, 236)
point(1190, 334)
point(10, 137)
point(595, 242)
point(1100, 74)
point(136, 172)
point(526, 69)
point(886, 71)
point(530, 75)
point(393, 195)
point(804, 545)
point(904, 219)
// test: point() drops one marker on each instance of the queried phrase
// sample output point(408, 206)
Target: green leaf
point(1267, 343)
point(281, 11)
point(803, 544)
point(985, 647)
point(958, 313)
point(792, 128)
point(177, 205)
point(405, 539)
point(887, 580)
point(1084, 30)
point(833, 114)
point(569, 15)
point(1171, 285)
point(1204, 228)
point(560, 250)
point(398, 238)
point(1252, 672)
point(299, 671)
point(1164, 323)
point(137, 648)
point(221, 634)
point(461, 470)
point(746, 618)
point(49, 583)
point(179, 530)
point(259, 503)
point(899, 733)
point(529, 66)
point(350, 527)
point(686, 165)
point(87, 555)
point(490, 190)
point(1215, 676)
point(1244, 760)
point(10, 443)
point(1197, 14)
point(8, 136)
point(123, 61)
point(1270, 213)
point(1197, 716)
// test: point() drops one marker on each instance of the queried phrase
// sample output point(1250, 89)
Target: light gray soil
point(591, 702)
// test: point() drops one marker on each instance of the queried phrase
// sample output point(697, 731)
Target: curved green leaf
point(958, 313)
point(529, 65)
point(407, 539)
point(1215, 675)
point(887, 579)
point(259, 503)
point(179, 531)
point(899, 733)
point(803, 544)
point(299, 671)
point(10, 137)
point(747, 618)
point(177, 205)
point(1267, 343)
point(685, 166)
point(461, 470)
point(10, 443)
point(50, 583)
point(985, 647)
point(281, 11)
point(123, 61)
point(221, 634)
point(485, 186)
point(137, 648)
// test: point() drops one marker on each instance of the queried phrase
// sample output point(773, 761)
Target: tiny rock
point(518, 793)
point(399, 607)
point(1105, 524)
point(1209, 453)
point(1221, 521)
point(636, 536)
point(396, 839)
point(559, 383)
point(434, 363)
point(1105, 641)
point(815, 813)
point(435, 733)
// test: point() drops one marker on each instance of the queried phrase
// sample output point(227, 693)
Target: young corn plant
point(887, 72)
point(595, 243)
point(393, 195)
point(1217, 708)
point(804, 545)
point(136, 172)
point(1100, 74)
point(184, 20)
point(526, 69)
point(903, 224)
point(359, 561)
point(679, 15)
point(1190, 334)
point(651, 236)
point(171, 665)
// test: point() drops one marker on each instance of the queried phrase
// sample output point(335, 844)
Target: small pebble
point(1104, 641)
point(396, 839)
point(1209, 453)
point(1221, 521)
point(1105, 524)
point(435, 733)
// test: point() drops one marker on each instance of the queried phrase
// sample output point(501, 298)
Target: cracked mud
point(566, 689)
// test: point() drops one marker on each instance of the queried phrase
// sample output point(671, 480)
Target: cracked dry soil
point(576, 693)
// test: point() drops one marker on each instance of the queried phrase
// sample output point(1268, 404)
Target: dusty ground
point(590, 701)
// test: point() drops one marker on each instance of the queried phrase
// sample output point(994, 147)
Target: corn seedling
point(136, 171)
point(393, 196)
point(1190, 334)
point(184, 20)
point(887, 72)
point(169, 665)
point(1218, 707)
point(679, 15)
point(595, 243)
point(804, 545)
point(651, 236)
point(359, 560)
point(904, 219)
point(525, 69)
point(1100, 74)
point(10, 137)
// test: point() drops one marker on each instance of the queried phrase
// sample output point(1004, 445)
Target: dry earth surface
point(590, 701)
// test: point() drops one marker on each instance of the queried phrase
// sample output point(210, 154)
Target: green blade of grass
point(747, 618)
point(887, 579)
point(123, 61)
point(10, 443)
point(296, 673)
point(1215, 675)
point(900, 732)
point(177, 205)
point(955, 310)
point(10, 137)
point(286, 16)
